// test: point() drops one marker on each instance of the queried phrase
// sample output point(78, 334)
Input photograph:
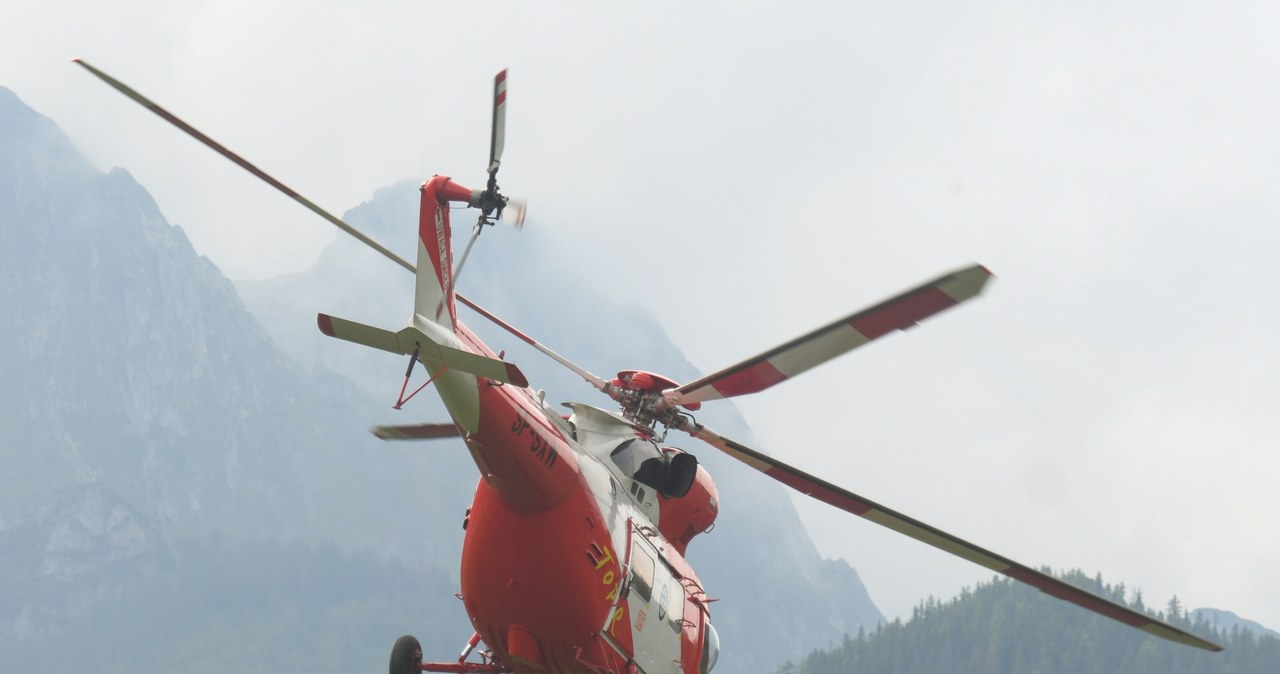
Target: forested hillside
point(1004, 626)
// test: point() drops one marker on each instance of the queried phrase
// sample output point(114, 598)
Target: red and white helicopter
point(574, 553)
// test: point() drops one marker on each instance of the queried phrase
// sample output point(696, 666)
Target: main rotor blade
point(834, 339)
point(241, 162)
point(580, 371)
point(495, 152)
point(498, 132)
point(852, 503)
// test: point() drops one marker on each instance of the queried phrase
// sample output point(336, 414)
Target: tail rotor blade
point(499, 130)
point(513, 212)
point(491, 200)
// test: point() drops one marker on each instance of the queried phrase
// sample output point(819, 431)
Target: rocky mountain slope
point(181, 487)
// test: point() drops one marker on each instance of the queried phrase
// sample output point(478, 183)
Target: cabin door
point(656, 604)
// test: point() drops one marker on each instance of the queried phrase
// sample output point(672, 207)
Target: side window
point(673, 601)
point(671, 604)
point(641, 573)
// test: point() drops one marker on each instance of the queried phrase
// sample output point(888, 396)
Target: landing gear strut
point(406, 658)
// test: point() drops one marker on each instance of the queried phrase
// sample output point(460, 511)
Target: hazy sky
point(748, 171)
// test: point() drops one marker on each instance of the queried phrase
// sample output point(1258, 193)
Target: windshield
point(632, 454)
point(670, 472)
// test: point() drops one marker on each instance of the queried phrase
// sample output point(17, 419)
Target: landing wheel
point(406, 656)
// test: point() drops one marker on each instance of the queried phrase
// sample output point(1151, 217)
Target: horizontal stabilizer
point(359, 333)
point(429, 352)
point(457, 359)
point(417, 432)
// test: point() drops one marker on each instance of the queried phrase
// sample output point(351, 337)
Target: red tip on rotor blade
point(325, 324)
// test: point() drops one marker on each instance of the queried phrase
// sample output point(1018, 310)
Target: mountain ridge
point(156, 432)
point(1002, 626)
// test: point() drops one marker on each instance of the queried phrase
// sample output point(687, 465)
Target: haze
point(747, 171)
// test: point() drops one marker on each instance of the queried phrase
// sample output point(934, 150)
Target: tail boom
point(434, 297)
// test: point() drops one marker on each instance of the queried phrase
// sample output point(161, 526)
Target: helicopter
point(573, 557)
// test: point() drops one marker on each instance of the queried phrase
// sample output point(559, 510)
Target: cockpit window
point(671, 473)
point(631, 456)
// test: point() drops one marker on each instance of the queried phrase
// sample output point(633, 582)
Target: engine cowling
point(694, 513)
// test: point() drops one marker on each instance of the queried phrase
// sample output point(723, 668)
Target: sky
point(748, 171)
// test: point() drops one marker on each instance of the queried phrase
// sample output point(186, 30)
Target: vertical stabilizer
point(434, 294)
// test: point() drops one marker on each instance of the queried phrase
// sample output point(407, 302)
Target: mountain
point(181, 487)
point(1226, 621)
point(1004, 626)
point(132, 363)
point(158, 450)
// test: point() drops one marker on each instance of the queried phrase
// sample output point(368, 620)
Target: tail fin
point(434, 297)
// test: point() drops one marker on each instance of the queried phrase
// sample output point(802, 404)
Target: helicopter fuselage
point(566, 561)
point(564, 564)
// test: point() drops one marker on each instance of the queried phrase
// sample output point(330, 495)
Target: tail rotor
point(493, 205)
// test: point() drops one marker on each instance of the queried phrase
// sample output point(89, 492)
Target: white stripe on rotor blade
point(818, 350)
point(940, 542)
